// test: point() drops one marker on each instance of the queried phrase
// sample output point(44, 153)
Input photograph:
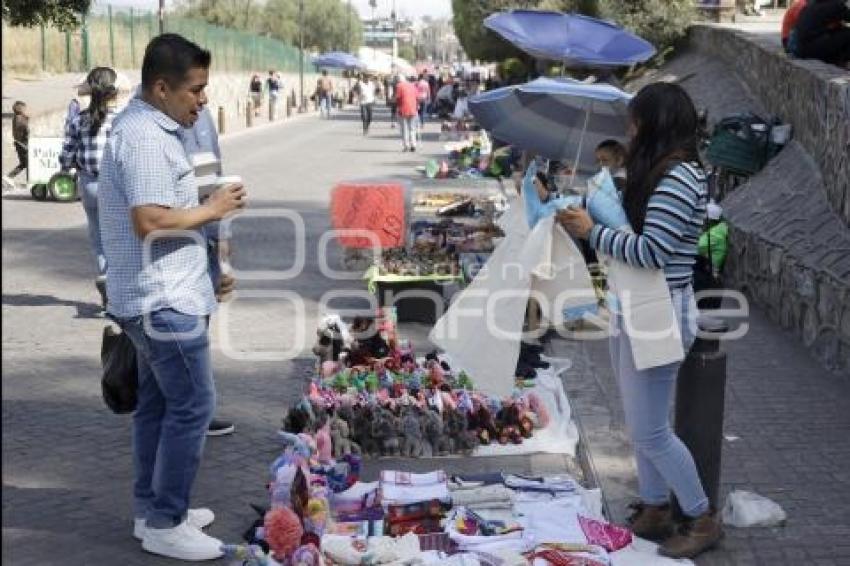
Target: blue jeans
point(176, 399)
point(663, 461)
point(325, 105)
point(422, 108)
point(87, 188)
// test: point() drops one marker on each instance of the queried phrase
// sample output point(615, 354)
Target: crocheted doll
point(283, 532)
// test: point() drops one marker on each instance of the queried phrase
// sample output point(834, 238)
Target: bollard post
point(221, 120)
point(288, 107)
point(272, 103)
point(249, 114)
point(700, 404)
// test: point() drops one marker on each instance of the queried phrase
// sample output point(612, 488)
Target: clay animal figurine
point(463, 440)
point(385, 430)
point(332, 338)
point(436, 435)
point(481, 421)
point(412, 441)
point(341, 438)
point(361, 425)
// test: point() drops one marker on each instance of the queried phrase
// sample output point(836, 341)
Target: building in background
point(435, 41)
point(378, 34)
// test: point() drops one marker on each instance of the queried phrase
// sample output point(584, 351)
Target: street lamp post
point(161, 16)
point(395, 39)
point(301, 52)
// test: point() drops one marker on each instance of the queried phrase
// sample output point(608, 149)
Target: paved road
point(66, 472)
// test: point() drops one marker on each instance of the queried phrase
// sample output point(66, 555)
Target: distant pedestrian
point(160, 292)
point(85, 140)
point(20, 136)
point(366, 94)
point(789, 22)
point(390, 96)
point(407, 113)
point(274, 86)
point(423, 98)
point(324, 91)
point(821, 32)
point(256, 93)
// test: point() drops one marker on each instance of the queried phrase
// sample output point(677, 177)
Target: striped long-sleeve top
point(675, 216)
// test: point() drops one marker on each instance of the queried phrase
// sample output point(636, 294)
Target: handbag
point(120, 380)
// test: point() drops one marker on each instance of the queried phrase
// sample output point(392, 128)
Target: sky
point(405, 8)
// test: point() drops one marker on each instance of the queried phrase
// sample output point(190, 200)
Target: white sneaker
point(183, 542)
point(198, 518)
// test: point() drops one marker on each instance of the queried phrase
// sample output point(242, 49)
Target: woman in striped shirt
point(85, 140)
point(665, 201)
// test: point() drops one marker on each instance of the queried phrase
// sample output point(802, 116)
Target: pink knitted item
point(324, 447)
point(610, 537)
point(283, 532)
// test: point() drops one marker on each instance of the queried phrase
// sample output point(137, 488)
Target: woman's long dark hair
point(101, 80)
point(666, 133)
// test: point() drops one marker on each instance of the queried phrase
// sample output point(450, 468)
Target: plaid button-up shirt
point(81, 150)
point(144, 163)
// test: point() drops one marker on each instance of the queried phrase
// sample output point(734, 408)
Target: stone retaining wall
point(789, 252)
point(812, 96)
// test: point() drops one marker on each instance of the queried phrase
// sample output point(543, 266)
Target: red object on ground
point(376, 208)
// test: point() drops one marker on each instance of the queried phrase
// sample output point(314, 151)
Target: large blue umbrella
point(570, 38)
point(558, 118)
point(338, 60)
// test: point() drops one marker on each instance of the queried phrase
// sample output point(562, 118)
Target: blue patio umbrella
point(338, 60)
point(570, 38)
point(558, 118)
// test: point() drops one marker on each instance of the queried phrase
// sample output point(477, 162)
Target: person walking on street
point(273, 85)
point(366, 93)
point(159, 290)
point(85, 140)
point(407, 112)
point(256, 93)
point(20, 137)
point(665, 202)
point(324, 90)
point(423, 98)
point(390, 86)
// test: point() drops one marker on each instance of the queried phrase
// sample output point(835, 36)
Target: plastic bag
point(120, 373)
point(748, 509)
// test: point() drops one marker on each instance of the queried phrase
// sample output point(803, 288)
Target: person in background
point(423, 98)
point(324, 90)
point(366, 94)
point(821, 32)
point(202, 137)
point(273, 85)
point(612, 154)
point(85, 140)
point(256, 93)
point(20, 136)
point(407, 112)
point(665, 203)
point(390, 84)
point(162, 298)
point(789, 21)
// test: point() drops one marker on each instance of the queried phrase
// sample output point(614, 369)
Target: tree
point(481, 43)
point(406, 51)
point(661, 22)
point(64, 14)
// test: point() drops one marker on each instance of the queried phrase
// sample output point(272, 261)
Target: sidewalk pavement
point(785, 437)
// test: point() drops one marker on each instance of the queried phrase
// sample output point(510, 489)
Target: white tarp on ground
point(560, 437)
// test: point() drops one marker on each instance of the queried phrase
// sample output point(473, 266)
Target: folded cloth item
point(476, 480)
point(388, 550)
point(550, 484)
point(399, 488)
point(344, 550)
point(482, 495)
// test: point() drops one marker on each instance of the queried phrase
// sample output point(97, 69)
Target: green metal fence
point(117, 37)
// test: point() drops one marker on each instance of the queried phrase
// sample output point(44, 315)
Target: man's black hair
point(170, 57)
